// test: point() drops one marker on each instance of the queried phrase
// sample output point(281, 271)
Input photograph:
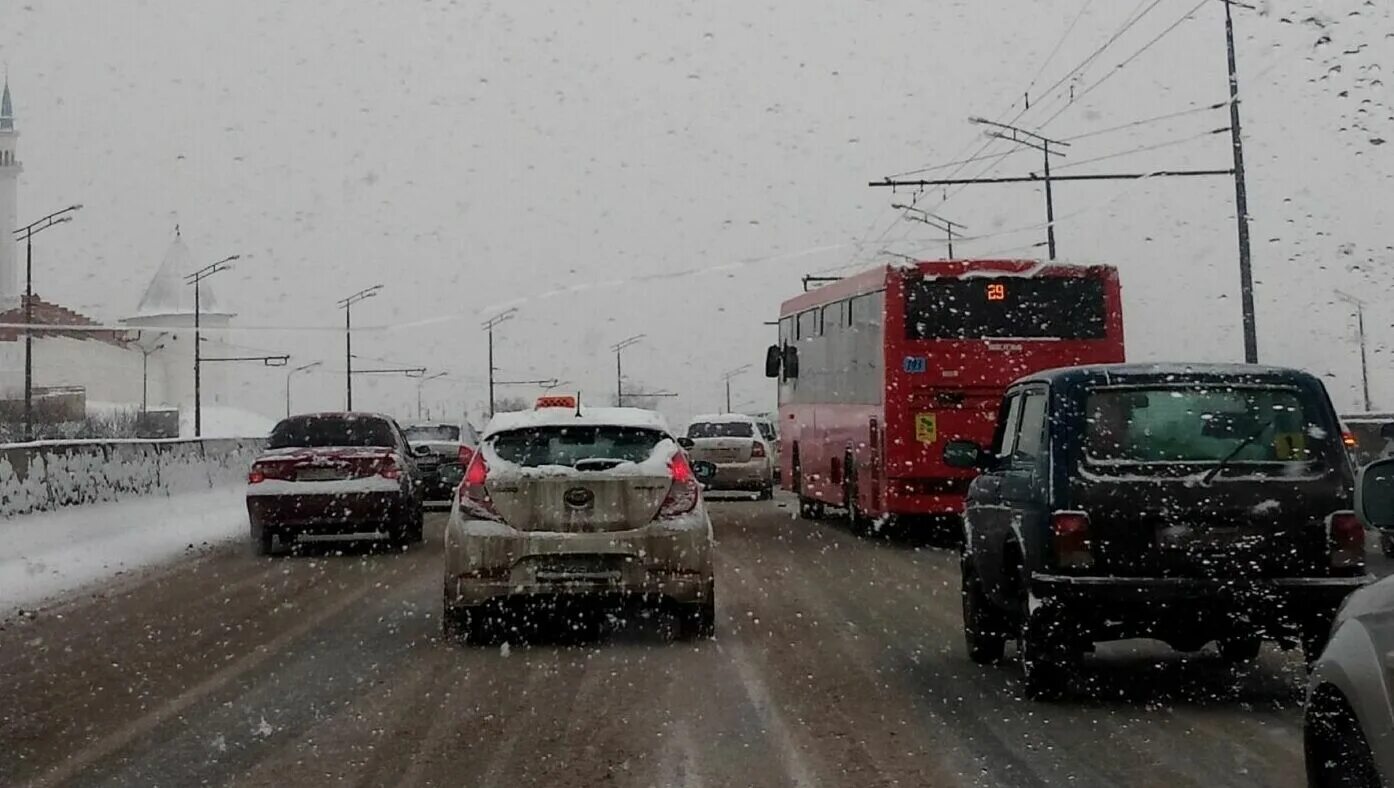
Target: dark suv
point(1188, 503)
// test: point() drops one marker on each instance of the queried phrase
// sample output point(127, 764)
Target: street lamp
point(27, 233)
point(1360, 332)
point(346, 304)
point(488, 326)
point(145, 354)
point(1031, 140)
point(293, 373)
point(195, 279)
point(420, 384)
point(618, 348)
point(933, 220)
point(727, 377)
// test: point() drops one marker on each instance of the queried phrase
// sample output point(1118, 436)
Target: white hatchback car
point(599, 503)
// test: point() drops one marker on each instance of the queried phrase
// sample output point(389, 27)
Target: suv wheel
point(1045, 669)
point(983, 630)
point(697, 621)
point(1338, 755)
point(1386, 545)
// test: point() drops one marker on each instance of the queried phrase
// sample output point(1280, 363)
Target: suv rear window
point(567, 446)
point(721, 429)
point(432, 432)
point(1201, 424)
point(305, 432)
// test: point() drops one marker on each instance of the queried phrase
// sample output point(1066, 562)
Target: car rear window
point(1201, 424)
point(432, 432)
point(536, 446)
point(721, 429)
point(306, 432)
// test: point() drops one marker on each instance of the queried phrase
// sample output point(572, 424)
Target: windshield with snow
point(1161, 424)
point(721, 429)
point(537, 446)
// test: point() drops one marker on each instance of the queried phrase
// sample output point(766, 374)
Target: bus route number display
point(996, 291)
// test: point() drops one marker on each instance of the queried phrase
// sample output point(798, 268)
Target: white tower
point(9, 202)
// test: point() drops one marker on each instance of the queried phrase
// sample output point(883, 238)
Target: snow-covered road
point(49, 554)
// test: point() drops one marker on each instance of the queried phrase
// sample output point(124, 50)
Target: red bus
point(877, 371)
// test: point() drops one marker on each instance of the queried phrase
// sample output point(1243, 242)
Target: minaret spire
point(7, 111)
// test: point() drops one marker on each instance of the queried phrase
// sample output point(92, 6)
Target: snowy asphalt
point(839, 661)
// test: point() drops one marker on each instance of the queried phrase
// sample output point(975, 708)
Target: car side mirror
point(964, 454)
point(791, 362)
point(686, 443)
point(421, 451)
point(704, 471)
point(774, 360)
point(1374, 494)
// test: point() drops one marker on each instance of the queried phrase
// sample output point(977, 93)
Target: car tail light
point(1346, 537)
point(1348, 438)
point(1071, 538)
point(256, 476)
point(388, 468)
point(474, 494)
point(263, 470)
point(757, 450)
point(684, 491)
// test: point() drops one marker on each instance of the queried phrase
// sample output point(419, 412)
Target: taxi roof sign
point(563, 401)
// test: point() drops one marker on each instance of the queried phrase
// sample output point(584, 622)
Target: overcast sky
point(470, 155)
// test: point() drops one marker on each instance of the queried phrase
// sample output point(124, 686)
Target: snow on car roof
point(589, 417)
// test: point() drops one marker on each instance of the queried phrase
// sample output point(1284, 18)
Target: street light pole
point(488, 327)
point(27, 232)
point(292, 374)
point(1360, 334)
point(420, 384)
point(727, 376)
point(618, 348)
point(196, 279)
point(346, 304)
point(145, 375)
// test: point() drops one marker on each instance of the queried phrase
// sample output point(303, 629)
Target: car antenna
point(578, 404)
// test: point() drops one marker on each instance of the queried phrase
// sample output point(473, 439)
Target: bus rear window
point(1005, 308)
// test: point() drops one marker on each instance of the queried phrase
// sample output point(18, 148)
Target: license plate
point(319, 474)
point(577, 572)
point(1223, 539)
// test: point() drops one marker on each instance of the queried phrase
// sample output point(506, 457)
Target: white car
point(1349, 721)
point(744, 458)
point(568, 503)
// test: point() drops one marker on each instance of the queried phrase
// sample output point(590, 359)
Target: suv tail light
point(1071, 539)
point(1346, 537)
point(684, 491)
point(757, 450)
point(474, 493)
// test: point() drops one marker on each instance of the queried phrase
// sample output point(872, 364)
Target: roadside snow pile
point(49, 553)
point(56, 474)
point(224, 422)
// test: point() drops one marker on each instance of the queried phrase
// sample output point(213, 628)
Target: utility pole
point(196, 279)
point(1241, 196)
point(1360, 334)
point(27, 233)
point(346, 304)
point(145, 355)
point(488, 326)
point(618, 348)
point(727, 377)
point(933, 220)
point(1031, 140)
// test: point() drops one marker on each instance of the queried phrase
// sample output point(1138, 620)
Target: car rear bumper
point(291, 515)
point(1126, 606)
point(755, 475)
point(487, 561)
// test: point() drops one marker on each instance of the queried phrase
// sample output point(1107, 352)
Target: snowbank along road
point(839, 661)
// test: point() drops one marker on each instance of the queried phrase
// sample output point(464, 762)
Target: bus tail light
point(1346, 537)
point(1070, 533)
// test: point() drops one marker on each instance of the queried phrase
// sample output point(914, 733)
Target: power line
point(1059, 42)
point(1144, 148)
point(1129, 60)
point(1148, 121)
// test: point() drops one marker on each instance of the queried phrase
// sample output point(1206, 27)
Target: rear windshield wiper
point(1235, 452)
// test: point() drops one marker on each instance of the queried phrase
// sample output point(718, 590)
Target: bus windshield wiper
point(1235, 451)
